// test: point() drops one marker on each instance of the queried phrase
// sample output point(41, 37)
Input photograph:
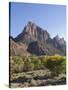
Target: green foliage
point(56, 64)
point(28, 66)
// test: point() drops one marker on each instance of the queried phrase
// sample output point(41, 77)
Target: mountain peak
point(30, 27)
point(57, 37)
point(30, 22)
point(39, 42)
point(33, 32)
point(59, 40)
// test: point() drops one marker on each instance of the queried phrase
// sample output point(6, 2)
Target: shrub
point(56, 65)
point(37, 63)
point(28, 66)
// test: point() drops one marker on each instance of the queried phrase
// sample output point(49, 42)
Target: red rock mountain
point(35, 40)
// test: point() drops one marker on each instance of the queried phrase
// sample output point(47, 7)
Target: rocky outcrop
point(31, 33)
point(37, 41)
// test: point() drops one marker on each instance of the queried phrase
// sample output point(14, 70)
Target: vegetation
point(34, 70)
point(56, 64)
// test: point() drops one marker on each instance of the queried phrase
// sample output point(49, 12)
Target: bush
point(28, 66)
point(37, 62)
point(56, 64)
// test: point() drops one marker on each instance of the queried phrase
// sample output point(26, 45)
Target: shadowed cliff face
point(39, 42)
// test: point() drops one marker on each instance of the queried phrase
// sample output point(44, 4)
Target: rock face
point(60, 44)
point(38, 41)
point(17, 48)
point(31, 33)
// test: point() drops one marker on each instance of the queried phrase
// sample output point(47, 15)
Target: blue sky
point(49, 17)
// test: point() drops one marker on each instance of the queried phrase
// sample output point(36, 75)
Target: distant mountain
point(60, 44)
point(38, 41)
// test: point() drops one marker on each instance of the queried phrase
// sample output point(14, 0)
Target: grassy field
point(27, 71)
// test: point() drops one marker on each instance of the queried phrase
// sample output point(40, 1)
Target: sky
point(49, 17)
